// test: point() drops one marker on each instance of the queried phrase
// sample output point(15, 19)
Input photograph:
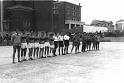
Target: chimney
point(79, 4)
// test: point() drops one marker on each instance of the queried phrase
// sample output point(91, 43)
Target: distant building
point(120, 25)
point(108, 24)
point(89, 28)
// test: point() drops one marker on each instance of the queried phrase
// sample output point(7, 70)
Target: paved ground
point(104, 66)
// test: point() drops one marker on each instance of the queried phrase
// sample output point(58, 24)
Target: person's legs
point(55, 47)
point(18, 49)
point(47, 50)
point(76, 47)
point(22, 54)
point(25, 51)
point(59, 47)
point(84, 49)
point(90, 46)
point(95, 45)
point(37, 51)
point(34, 52)
point(42, 50)
point(67, 49)
point(52, 51)
point(98, 45)
point(31, 53)
point(72, 48)
point(62, 51)
point(14, 51)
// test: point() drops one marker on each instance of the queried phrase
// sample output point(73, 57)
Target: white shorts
point(36, 45)
point(31, 45)
point(47, 44)
point(23, 45)
point(51, 46)
point(41, 45)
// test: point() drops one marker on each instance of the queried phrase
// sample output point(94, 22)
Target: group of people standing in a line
point(89, 41)
point(45, 45)
point(39, 45)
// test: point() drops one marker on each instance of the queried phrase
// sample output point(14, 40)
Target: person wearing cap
point(16, 41)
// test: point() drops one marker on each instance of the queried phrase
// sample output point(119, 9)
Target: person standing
point(16, 40)
point(55, 37)
point(60, 41)
point(66, 43)
point(47, 44)
point(36, 47)
point(84, 42)
point(52, 44)
point(97, 42)
point(23, 48)
point(41, 42)
point(30, 46)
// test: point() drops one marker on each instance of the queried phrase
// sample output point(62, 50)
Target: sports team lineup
point(40, 45)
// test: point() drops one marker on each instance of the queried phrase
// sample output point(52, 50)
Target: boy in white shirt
point(66, 43)
point(55, 37)
point(61, 43)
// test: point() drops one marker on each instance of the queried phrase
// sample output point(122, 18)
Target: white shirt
point(60, 38)
point(55, 38)
point(66, 37)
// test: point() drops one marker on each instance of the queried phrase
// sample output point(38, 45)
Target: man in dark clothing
point(84, 42)
point(16, 40)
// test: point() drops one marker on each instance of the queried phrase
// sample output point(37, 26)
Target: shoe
point(19, 61)
point(55, 55)
point(31, 58)
point(13, 62)
point(24, 59)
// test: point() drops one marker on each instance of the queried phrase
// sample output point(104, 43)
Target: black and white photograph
point(61, 41)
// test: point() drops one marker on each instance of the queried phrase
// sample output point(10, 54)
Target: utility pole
point(1, 18)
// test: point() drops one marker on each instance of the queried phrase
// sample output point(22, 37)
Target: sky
point(109, 10)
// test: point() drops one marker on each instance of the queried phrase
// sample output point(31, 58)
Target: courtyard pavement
point(103, 66)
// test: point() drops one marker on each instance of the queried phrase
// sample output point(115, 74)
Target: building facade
point(72, 15)
point(120, 25)
point(108, 24)
point(40, 15)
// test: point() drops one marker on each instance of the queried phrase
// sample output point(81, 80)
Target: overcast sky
point(109, 10)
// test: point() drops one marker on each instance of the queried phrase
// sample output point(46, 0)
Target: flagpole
point(1, 18)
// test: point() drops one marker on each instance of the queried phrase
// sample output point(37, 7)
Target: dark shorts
point(61, 44)
point(56, 44)
point(66, 42)
point(16, 47)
